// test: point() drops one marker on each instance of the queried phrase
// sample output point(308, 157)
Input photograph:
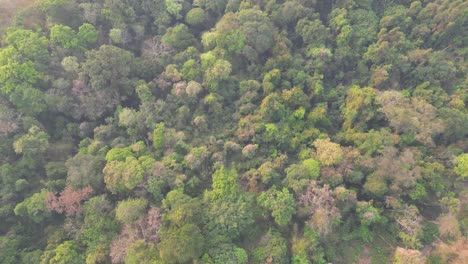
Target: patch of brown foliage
point(453, 253)
point(146, 228)
point(68, 201)
point(8, 10)
point(321, 202)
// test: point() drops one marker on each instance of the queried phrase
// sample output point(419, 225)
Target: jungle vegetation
point(233, 131)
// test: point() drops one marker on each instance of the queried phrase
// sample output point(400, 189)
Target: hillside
point(233, 131)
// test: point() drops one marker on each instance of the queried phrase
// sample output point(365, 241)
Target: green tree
point(34, 207)
point(107, 67)
point(87, 35)
point(119, 154)
point(180, 245)
point(257, 29)
point(272, 247)
point(31, 45)
point(195, 17)
point(228, 253)
point(215, 6)
point(130, 210)
point(35, 142)
point(178, 37)
point(158, 138)
point(9, 248)
point(328, 153)
point(355, 29)
point(67, 252)
point(120, 176)
point(297, 177)
point(313, 32)
point(462, 165)
point(226, 35)
point(217, 73)
point(272, 108)
point(376, 185)
point(368, 216)
point(313, 168)
point(106, 71)
point(229, 210)
point(84, 170)
point(142, 252)
point(173, 7)
point(70, 64)
point(181, 209)
point(359, 108)
point(116, 36)
point(281, 204)
point(18, 74)
point(63, 36)
point(99, 226)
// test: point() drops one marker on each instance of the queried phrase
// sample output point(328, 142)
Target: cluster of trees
point(225, 131)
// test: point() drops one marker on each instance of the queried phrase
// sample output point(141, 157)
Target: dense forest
point(233, 131)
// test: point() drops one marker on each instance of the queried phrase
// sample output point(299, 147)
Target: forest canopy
point(233, 131)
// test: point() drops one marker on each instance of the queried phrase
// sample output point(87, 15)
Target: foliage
point(408, 256)
point(142, 252)
point(63, 36)
point(178, 37)
point(34, 207)
point(272, 248)
point(215, 131)
point(130, 210)
point(229, 209)
point(69, 200)
point(35, 142)
point(181, 245)
point(462, 165)
point(126, 175)
point(67, 252)
point(84, 170)
point(99, 225)
point(195, 17)
point(281, 204)
point(328, 153)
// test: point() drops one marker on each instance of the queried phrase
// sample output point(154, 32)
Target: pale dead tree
point(91, 11)
point(321, 203)
point(409, 220)
point(449, 228)
point(408, 256)
point(193, 88)
point(96, 103)
point(249, 150)
point(79, 87)
point(145, 228)
point(400, 167)
point(8, 121)
point(180, 88)
point(392, 202)
point(411, 116)
point(247, 127)
point(154, 49)
point(454, 252)
point(72, 227)
point(121, 245)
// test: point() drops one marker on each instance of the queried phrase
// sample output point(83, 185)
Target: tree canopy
point(225, 132)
